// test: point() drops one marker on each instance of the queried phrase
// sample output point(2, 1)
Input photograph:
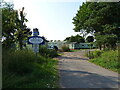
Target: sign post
point(35, 40)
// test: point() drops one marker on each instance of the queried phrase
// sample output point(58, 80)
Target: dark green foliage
point(8, 25)
point(65, 48)
point(67, 39)
point(101, 19)
point(90, 39)
point(14, 29)
point(22, 31)
point(77, 38)
point(47, 52)
point(108, 41)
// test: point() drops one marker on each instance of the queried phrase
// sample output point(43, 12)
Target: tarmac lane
point(77, 72)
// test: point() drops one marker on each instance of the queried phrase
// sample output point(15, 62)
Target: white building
point(59, 44)
point(75, 45)
point(72, 45)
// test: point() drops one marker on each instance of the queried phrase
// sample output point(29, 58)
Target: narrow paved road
point(77, 72)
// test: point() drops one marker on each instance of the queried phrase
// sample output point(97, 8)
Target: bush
point(94, 54)
point(47, 52)
point(65, 48)
point(97, 53)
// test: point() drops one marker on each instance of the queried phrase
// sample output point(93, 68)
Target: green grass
point(23, 69)
point(76, 50)
point(109, 60)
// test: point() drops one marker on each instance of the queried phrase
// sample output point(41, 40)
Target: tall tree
point(100, 18)
point(22, 31)
point(14, 28)
point(67, 39)
point(8, 25)
point(77, 38)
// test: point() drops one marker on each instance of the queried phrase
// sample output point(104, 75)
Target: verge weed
point(109, 60)
point(23, 69)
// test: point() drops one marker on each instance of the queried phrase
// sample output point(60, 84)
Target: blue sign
point(35, 40)
point(35, 33)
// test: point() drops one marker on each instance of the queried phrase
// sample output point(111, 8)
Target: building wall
point(80, 46)
point(58, 44)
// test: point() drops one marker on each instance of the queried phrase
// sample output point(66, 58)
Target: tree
point(90, 39)
point(99, 18)
point(8, 25)
point(14, 29)
point(77, 38)
point(108, 41)
point(67, 39)
point(22, 31)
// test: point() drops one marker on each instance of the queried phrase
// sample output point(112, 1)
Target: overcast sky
point(53, 18)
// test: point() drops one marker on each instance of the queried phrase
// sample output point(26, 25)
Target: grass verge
point(23, 69)
point(76, 50)
point(108, 60)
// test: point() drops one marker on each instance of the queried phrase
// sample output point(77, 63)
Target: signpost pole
point(35, 40)
point(36, 46)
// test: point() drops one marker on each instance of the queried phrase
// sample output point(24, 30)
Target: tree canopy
point(77, 38)
point(99, 18)
point(90, 39)
point(14, 29)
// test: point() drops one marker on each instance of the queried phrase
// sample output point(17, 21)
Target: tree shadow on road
point(73, 58)
point(82, 79)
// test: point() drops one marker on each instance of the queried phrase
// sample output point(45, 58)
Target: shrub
point(94, 54)
point(47, 52)
point(97, 53)
point(65, 48)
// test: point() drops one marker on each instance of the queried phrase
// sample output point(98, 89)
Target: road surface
point(77, 72)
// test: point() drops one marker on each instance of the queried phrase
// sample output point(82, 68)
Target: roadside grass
point(23, 69)
point(74, 50)
point(108, 60)
point(60, 53)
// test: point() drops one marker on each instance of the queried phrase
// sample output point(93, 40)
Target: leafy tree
point(8, 25)
point(22, 31)
point(67, 39)
point(77, 38)
point(108, 41)
point(100, 18)
point(14, 28)
point(90, 39)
